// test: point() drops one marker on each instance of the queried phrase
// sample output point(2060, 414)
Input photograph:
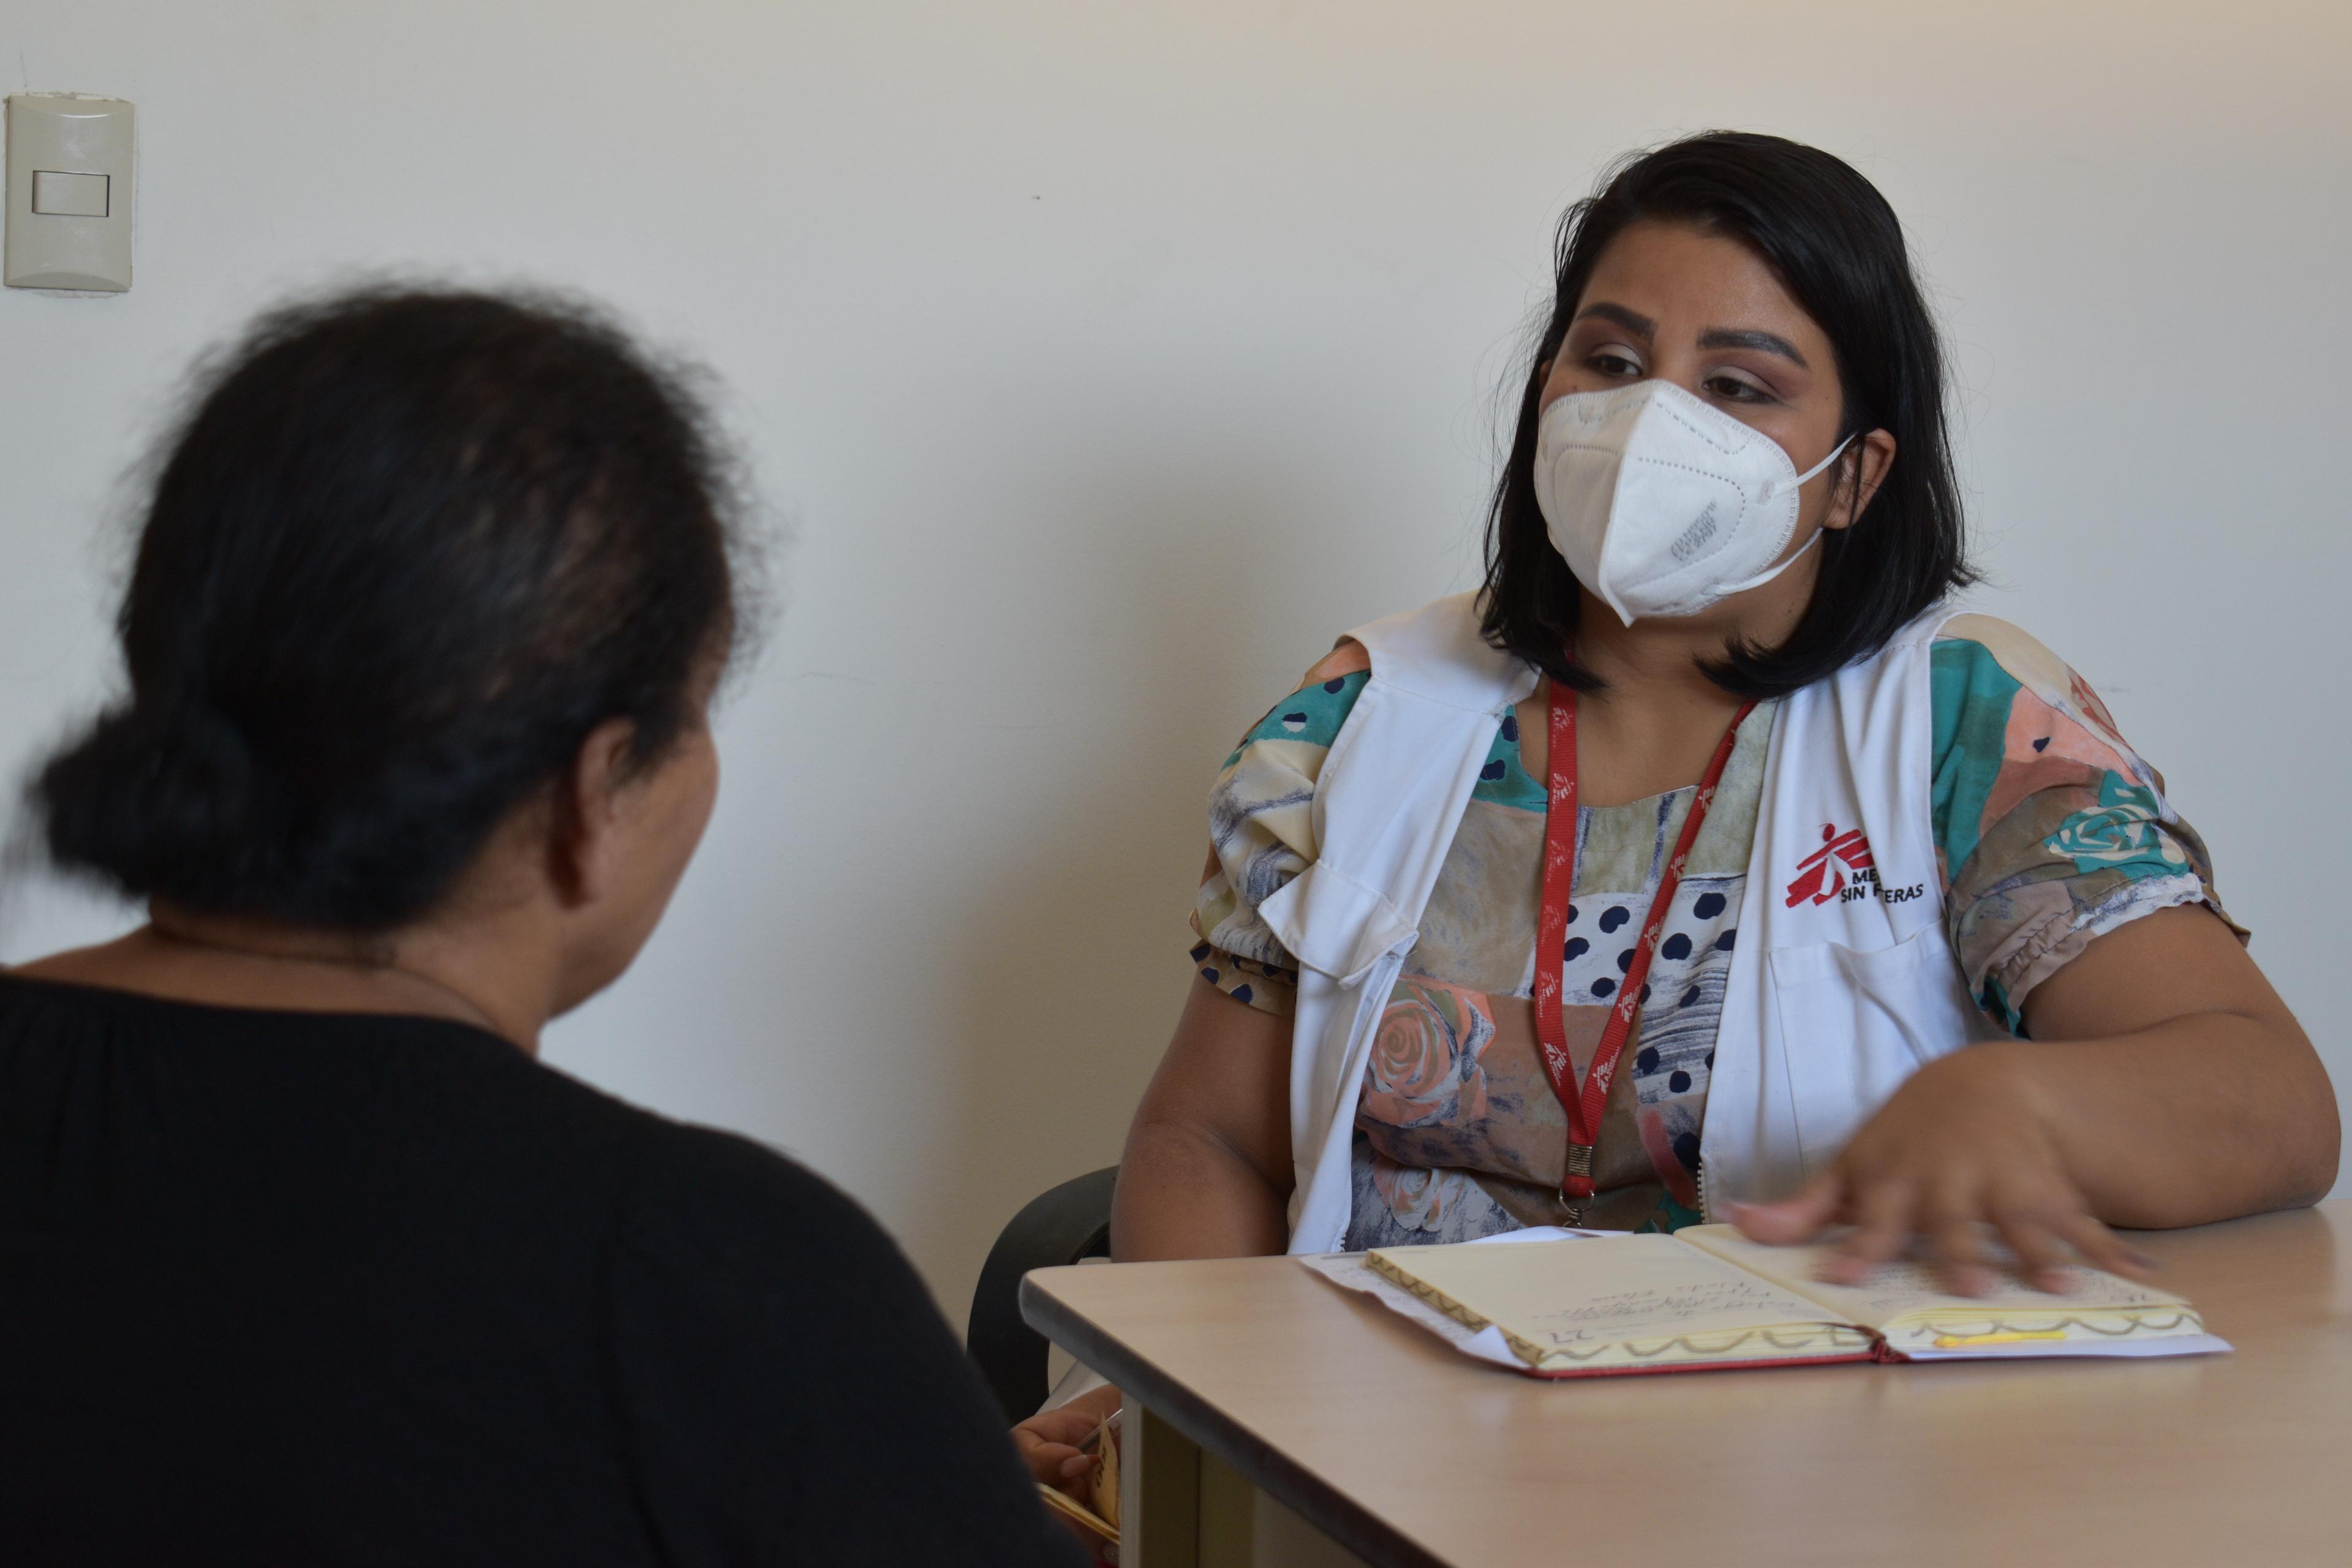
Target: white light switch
point(69, 172)
point(57, 195)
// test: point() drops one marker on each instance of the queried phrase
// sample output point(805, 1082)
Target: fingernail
point(2142, 1260)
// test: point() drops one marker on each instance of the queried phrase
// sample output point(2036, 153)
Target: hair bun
point(156, 795)
point(403, 554)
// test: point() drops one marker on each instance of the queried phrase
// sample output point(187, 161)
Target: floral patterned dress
point(2050, 832)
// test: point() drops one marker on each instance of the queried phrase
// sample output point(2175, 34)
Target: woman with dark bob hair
point(304, 1258)
point(1665, 876)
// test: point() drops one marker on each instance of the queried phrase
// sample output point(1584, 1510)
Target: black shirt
point(286, 1287)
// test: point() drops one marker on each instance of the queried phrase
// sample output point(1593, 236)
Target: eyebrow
point(1646, 329)
point(1766, 343)
point(1640, 325)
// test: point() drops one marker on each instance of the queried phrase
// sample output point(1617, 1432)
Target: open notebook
point(1708, 1297)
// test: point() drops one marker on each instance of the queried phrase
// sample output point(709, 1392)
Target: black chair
point(1059, 1225)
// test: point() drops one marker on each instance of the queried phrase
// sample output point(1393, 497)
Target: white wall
point(1109, 359)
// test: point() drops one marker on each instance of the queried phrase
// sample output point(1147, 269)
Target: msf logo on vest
point(1841, 871)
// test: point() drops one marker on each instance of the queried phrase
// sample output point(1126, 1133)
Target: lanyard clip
point(1576, 1184)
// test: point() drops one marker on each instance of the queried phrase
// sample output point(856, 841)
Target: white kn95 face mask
point(1663, 504)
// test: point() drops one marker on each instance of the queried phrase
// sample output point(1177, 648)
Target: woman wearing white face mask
point(1706, 862)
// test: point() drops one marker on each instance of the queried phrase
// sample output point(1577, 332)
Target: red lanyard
point(1584, 1107)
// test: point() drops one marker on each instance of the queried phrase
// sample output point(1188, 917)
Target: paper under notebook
point(1708, 1297)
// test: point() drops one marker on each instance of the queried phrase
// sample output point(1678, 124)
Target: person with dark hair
point(1665, 876)
point(304, 1258)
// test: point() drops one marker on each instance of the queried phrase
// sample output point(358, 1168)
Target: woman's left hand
point(1966, 1148)
point(1052, 1442)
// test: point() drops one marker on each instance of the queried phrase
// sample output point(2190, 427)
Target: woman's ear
point(1860, 471)
point(590, 802)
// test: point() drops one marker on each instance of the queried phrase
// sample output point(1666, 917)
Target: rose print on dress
point(1424, 1069)
point(1418, 1199)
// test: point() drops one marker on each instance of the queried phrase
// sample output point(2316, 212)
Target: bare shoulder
point(1351, 657)
point(108, 965)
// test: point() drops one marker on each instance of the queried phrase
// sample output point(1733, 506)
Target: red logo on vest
point(1822, 875)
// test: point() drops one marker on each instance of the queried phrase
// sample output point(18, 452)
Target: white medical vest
point(1843, 980)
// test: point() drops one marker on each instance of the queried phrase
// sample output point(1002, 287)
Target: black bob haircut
point(1838, 249)
point(406, 549)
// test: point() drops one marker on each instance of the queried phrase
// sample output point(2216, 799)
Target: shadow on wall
point(1072, 962)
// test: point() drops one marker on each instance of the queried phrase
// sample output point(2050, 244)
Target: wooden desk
point(1407, 1453)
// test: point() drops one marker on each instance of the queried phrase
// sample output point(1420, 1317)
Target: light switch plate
point(69, 172)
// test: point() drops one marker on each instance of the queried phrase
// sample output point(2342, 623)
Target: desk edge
point(1303, 1493)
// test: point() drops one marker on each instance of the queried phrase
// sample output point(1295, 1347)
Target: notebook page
point(1570, 1299)
point(1905, 1289)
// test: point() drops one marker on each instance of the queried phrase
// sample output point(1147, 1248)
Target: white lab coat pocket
point(1855, 1022)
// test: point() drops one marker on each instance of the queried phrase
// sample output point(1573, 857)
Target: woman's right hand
point(1048, 1441)
point(1206, 1174)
